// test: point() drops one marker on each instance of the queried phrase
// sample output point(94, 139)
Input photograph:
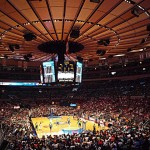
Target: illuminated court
point(60, 125)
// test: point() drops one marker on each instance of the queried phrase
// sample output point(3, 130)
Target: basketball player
point(36, 126)
point(94, 128)
point(79, 124)
point(57, 122)
point(40, 125)
point(68, 120)
point(78, 120)
point(50, 126)
point(99, 124)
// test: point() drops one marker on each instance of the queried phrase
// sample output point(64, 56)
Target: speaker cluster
point(100, 52)
point(29, 36)
point(13, 47)
point(104, 42)
point(27, 57)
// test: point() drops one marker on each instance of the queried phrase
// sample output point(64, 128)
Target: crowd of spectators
point(128, 119)
point(85, 91)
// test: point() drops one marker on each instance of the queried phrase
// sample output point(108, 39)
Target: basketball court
point(60, 125)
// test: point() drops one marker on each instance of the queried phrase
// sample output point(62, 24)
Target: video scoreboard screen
point(79, 72)
point(47, 72)
point(66, 72)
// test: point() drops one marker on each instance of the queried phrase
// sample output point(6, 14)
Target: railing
point(1, 135)
point(146, 124)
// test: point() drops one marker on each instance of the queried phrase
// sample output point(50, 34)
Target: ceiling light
point(127, 1)
point(130, 1)
point(147, 13)
point(102, 58)
point(136, 50)
point(119, 55)
point(113, 73)
point(140, 7)
point(144, 68)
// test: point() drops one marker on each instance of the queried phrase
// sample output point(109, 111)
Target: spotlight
point(132, 2)
point(135, 12)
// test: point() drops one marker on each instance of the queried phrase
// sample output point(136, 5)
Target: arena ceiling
point(124, 23)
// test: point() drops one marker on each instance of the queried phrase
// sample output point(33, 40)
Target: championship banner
point(141, 56)
point(147, 54)
point(20, 64)
point(4, 61)
point(25, 64)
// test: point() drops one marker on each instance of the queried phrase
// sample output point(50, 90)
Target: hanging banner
point(4, 62)
point(20, 64)
point(147, 54)
point(141, 56)
point(25, 64)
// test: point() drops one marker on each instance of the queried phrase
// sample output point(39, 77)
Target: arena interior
point(74, 75)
